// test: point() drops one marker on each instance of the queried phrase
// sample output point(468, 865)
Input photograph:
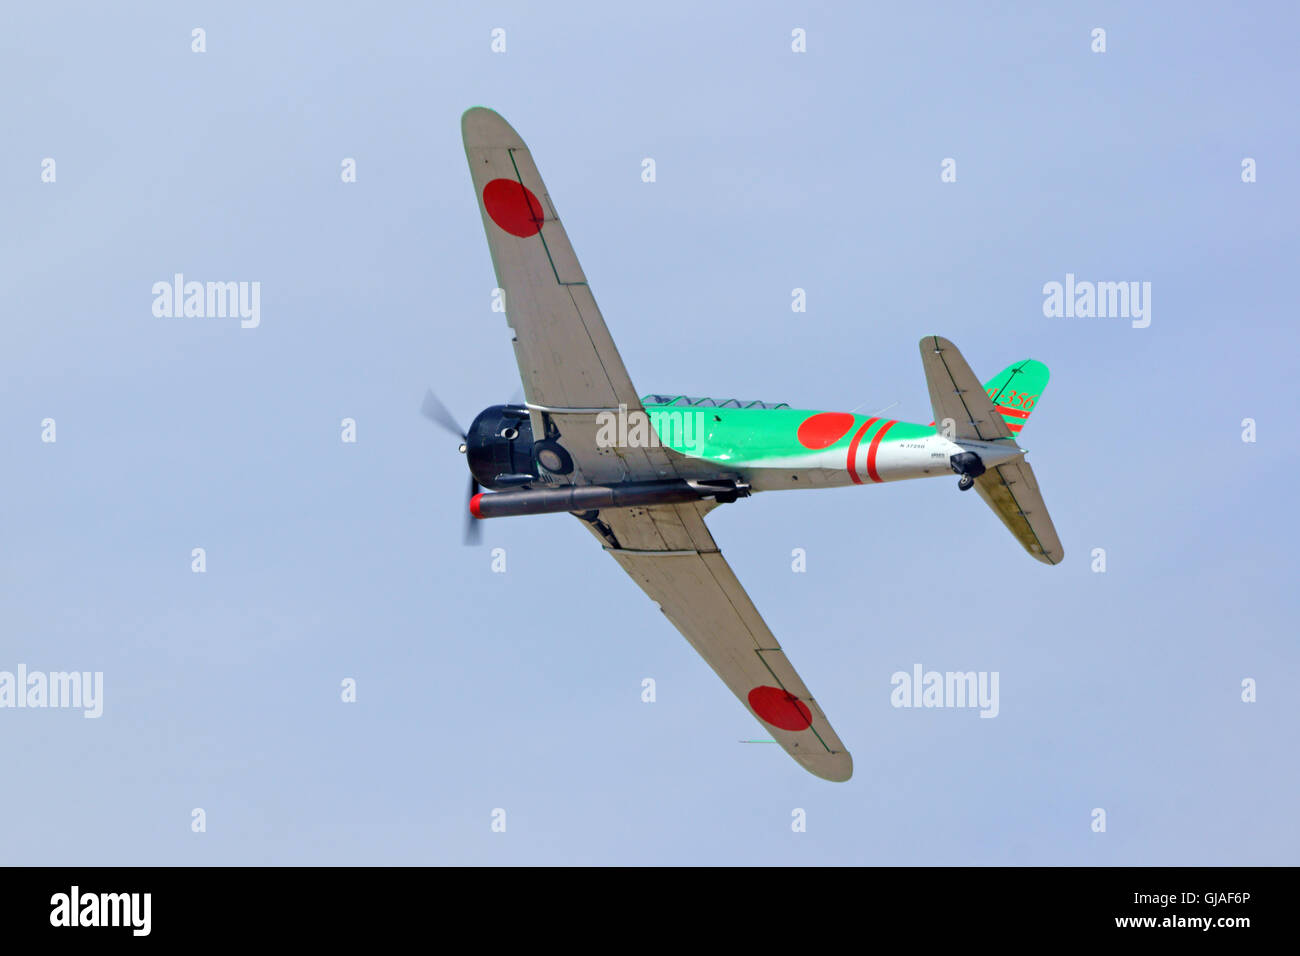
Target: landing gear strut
point(969, 466)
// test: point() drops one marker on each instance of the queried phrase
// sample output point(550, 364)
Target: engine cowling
point(499, 447)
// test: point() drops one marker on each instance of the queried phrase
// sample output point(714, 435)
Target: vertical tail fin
point(1014, 391)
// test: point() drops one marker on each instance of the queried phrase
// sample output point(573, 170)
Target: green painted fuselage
point(782, 448)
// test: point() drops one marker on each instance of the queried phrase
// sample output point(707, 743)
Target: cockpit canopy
point(686, 400)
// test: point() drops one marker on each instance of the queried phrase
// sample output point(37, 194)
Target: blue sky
point(521, 690)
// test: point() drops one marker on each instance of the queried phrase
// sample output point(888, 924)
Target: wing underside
point(668, 551)
point(566, 356)
point(568, 363)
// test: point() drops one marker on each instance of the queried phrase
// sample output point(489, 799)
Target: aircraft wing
point(1011, 490)
point(669, 552)
point(570, 368)
point(566, 356)
point(955, 393)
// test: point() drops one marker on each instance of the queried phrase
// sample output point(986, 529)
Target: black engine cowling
point(499, 447)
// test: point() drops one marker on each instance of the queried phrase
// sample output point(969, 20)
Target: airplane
point(641, 472)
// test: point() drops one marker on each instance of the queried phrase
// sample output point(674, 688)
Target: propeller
point(473, 526)
point(433, 409)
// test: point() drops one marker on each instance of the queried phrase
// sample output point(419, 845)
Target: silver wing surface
point(570, 368)
point(668, 551)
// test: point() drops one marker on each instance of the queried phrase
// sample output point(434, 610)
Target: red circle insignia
point(780, 708)
point(824, 429)
point(513, 207)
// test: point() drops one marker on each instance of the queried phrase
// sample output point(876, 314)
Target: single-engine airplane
point(641, 472)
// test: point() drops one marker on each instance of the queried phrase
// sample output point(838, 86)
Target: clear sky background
point(522, 690)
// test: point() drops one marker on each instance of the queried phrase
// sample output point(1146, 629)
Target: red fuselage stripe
point(853, 449)
point(875, 446)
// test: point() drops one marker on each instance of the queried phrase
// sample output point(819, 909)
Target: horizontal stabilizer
point(1012, 492)
point(957, 396)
